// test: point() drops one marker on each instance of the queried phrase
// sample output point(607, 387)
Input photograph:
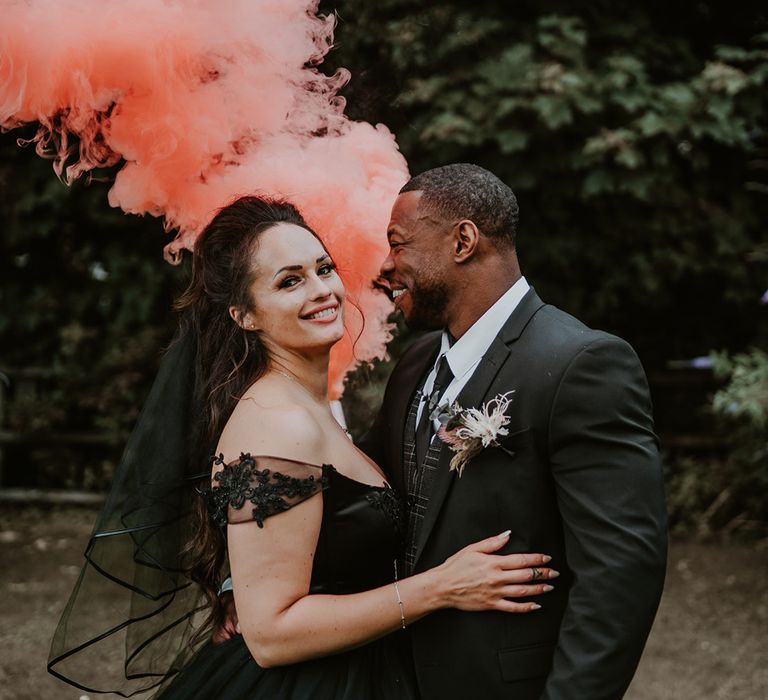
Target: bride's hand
point(477, 579)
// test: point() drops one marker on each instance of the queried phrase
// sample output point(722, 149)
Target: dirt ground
point(710, 640)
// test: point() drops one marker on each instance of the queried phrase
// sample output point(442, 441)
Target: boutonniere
point(468, 431)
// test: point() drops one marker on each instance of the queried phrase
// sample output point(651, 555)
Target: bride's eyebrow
point(325, 256)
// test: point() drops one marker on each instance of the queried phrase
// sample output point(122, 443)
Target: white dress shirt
point(465, 354)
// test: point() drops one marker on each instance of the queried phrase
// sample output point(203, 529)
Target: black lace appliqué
point(269, 491)
point(386, 500)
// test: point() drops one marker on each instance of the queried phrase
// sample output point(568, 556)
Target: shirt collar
point(470, 348)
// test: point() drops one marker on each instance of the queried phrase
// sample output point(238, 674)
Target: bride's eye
point(289, 282)
point(327, 269)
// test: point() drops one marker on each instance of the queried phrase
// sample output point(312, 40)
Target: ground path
point(710, 640)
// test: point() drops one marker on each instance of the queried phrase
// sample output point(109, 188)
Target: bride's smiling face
point(297, 295)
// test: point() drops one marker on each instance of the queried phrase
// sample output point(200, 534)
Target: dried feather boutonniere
point(468, 431)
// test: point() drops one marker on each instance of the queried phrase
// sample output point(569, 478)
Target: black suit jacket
point(579, 479)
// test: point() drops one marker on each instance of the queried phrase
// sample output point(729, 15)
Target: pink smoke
point(205, 100)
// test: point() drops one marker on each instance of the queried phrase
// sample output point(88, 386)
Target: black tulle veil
point(128, 624)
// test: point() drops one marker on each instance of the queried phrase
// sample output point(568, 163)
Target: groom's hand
point(229, 626)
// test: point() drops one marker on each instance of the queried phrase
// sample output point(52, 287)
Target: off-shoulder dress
point(360, 538)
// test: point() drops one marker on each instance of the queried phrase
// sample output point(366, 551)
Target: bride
point(306, 525)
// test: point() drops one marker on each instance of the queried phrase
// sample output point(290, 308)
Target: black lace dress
point(359, 539)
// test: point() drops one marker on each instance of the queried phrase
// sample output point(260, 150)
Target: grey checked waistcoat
point(418, 482)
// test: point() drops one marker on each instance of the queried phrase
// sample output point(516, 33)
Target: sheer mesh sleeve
point(255, 488)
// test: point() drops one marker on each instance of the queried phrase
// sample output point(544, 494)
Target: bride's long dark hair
point(229, 358)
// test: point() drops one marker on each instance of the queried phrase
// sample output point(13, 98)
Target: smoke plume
point(201, 101)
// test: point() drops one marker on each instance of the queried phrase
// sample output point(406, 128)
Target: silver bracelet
point(399, 599)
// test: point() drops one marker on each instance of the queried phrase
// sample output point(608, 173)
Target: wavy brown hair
point(229, 358)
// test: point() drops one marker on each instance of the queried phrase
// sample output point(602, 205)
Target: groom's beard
point(429, 299)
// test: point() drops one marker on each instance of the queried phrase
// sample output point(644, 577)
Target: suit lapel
point(474, 394)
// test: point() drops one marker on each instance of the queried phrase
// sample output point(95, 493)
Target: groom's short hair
point(466, 191)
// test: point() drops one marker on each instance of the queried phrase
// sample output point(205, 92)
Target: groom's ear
point(466, 237)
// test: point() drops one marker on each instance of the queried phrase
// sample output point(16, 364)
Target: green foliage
point(742, 405)
point(708, 495)
point(633, 135)
point(744, 399)
point(729, 494)
point(85, 306)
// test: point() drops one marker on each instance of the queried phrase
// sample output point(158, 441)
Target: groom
point(577, 476)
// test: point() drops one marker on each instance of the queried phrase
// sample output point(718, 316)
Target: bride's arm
point(272, 566)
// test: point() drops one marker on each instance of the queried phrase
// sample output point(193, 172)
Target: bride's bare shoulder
point(268, 422)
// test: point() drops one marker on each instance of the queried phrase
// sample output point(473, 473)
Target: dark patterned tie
point(424, 428)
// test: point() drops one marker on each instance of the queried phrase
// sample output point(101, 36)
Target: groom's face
point(417, 265)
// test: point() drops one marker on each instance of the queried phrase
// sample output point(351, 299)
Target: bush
point(728, 495)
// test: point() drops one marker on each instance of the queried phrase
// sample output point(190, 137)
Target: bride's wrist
point(437, 591)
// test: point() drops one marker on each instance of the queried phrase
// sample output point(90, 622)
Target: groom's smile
point(397, 293)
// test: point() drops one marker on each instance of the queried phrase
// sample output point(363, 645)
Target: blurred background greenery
point(635, 136)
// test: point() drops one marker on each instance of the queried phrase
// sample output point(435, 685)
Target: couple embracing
point(513, 551)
